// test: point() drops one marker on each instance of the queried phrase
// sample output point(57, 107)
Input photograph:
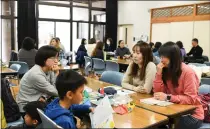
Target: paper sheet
point(102, 116)
point(125, 92)
point(88, 89)
point(152, 101)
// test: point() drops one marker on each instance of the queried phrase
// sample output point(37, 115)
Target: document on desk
point(102, 116)
point(152, 101)
point(125, 92)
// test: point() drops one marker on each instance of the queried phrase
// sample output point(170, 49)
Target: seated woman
point(156, 48)
point(98, 51)
point(39, 82)
point(141, 72)
point(180, 44)
point(28, 52)
point(178, 83)
point(122, 51)
point(108, 45)
point(56, 43)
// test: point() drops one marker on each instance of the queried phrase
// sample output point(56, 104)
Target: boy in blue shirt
point(70, 86)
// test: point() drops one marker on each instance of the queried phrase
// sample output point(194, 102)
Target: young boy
point(70, 86)
point(31, 119)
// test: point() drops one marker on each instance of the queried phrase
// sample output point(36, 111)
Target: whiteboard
point(182, 31)
point(202, 33)
point(161, 32)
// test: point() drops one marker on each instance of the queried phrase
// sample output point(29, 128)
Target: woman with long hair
point(141, 72)
point(56, 43)
point(98, 51)
point(178, 83)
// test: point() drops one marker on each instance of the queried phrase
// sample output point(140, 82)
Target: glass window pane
point(77, 41)
point(15, 6)
point(98, 16)
point(16, 36)
point(56, 1)
point(99, 4)
point(63, 32)
point(54, 12)
point(6, 40)
point(98, 31)
point(5, 8)
point(81, 3)
point(80, 14)
point(46, 32)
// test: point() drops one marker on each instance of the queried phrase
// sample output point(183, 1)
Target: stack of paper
point(102, 116)
point(152, 101)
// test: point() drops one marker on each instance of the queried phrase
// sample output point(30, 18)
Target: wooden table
point(172, 111)
point(121, 61)
point(8, 71)
point(138, 118)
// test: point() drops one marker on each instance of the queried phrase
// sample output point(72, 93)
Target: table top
point(173, 110)
point(121, 61)
point(7, 71)
point(138, 118)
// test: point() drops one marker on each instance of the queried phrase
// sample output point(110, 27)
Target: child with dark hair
point(70, 86)
point(32, 119)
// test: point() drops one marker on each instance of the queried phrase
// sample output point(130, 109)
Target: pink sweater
point(187, 91)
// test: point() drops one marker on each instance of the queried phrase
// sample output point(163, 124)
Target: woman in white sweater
point(141, 72)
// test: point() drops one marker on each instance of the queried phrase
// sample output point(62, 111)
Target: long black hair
point(173, 71)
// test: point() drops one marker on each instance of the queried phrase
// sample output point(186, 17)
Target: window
point(54, 12)
point(98, 16)
point(80, 14)
point(99, 4)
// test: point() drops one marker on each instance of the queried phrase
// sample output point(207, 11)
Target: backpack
point(11, 109)
point(205, 101)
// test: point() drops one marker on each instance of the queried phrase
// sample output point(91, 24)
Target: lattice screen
point(182, 11)
point(161, 13)
point(203, 9)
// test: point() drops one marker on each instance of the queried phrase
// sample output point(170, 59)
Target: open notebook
point(152, 101)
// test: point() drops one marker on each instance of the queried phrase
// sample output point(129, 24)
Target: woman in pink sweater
point(176, 82)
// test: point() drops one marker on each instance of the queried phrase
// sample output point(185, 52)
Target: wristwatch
point(168, 97)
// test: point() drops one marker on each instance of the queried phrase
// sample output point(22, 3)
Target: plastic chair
point(112, 77)
point(112, 66)
point(207, 63)
point(98, 65)
point(88, 68)
point(88, 59)
point(47, 122)
point(15, 67)
point(205, 81)
point(15, 123)
point(24, 66)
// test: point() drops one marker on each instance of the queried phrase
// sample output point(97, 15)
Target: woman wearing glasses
point(39, 82)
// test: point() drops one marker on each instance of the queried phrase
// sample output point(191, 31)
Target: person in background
point(70, 86)
point(176, 82)
point(141, 72)
point(122, 51)
point(108, 45)
point(39, 82)
point(61, 45)
point(196, 50)
point(32, 119)
point(180, 45)
point(28, 52)
point(155, 50)
point(56, 43)
point(98, 51)
point(152, 45)
point(81, 52)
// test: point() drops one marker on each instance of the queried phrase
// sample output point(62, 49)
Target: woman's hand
point(160, 96)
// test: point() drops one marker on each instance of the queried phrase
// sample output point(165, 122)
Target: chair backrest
point(207, 63)
point(47, 122)
point(88, 68)
point(15, 67)
point(205, 81)
point(112, 77)
point(205, 58)
point(98, 64)
point(197, 64)
point(88, 59)
point(112, 66)
point(24, 66)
